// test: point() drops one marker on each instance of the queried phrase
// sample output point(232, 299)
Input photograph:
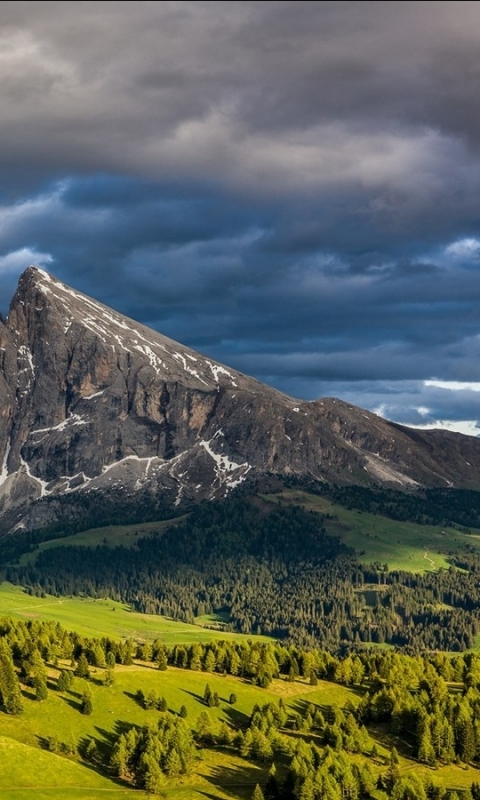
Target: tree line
point(271, 570)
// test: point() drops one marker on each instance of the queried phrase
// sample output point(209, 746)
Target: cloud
point(291, 187)
point(15, 262)
point(468, 249)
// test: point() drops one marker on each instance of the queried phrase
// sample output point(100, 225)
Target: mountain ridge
point(93, 401)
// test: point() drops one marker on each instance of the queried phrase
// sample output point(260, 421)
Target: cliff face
point(91, 401)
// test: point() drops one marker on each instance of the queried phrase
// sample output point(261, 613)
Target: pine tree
point(65, 680)
point(82, 670)
point(257, 793)
point(119, 759)
point(162, 704)
point(109, 678)
point(464, 736)
point(110, 659)
point(173, 762)
point(162, 660)
point(86, 706)
point(426, 753)
point(91, 750)
point(272, 787)
point(10, 695)
point(307, 792)
point(225, 735)
point(41, 691)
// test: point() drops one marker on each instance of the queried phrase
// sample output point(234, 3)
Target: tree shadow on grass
point(96, 681)
point(195, 696)
point(236, 717)
point(242, 777)
point(135, 697)
point(75, 704)
point(107, 736)
point(96, 765)
point(122, 726)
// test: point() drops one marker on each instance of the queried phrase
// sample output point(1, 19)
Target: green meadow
point(106, 618)
point(402, 545)
point(29, 771)
point(108, 536)
point(216, 775)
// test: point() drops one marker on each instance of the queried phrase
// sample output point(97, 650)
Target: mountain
point(93, 402)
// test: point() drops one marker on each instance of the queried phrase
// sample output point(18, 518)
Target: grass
point(217, 775)
point(104, 618)
point(109, 536)
point(402, 545)
point(50, 776)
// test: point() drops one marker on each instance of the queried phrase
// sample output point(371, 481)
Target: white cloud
point(15, 262)
point(469, 427)
point(464, 248)
point(454, 386)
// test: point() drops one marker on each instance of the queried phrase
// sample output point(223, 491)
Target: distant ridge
point(91, 401)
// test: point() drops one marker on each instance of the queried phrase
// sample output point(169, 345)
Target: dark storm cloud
point(291, 187)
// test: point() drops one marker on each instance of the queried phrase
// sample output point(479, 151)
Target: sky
point(292, 188)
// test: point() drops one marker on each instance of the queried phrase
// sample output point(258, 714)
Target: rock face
point(91, 401)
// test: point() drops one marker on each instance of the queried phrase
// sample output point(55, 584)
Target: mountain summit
point(91, 401)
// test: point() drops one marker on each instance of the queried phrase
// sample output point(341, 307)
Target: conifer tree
point(110, 659)
point(41, 691)
point(119, 758)
point(162, 661)
point(82, 669)
point(272, 786)
point(65, 680)
point(109, 678)
point(86, 706)
point(10, 695)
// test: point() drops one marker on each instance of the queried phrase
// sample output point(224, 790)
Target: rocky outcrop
point(92, 401)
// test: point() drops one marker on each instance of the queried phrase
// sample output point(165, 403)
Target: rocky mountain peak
point(91, 401)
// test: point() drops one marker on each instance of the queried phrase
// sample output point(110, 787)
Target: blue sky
point(291, 188)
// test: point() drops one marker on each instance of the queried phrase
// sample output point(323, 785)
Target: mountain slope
point(91, 401)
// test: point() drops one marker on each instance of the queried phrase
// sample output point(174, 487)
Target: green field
point(28, 770)
point(217, 774)
point(106, 618)
point(108, 536)
point(402, 545)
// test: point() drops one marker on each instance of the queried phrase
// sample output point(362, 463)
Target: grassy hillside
point(402, 545)
point(221, 775)
point(217, 774)
point(109, 536)
point(105, 618)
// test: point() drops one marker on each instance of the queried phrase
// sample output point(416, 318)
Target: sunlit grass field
point(105, 618)
point(28, 771)
point(108, 536)
point(402, 545)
